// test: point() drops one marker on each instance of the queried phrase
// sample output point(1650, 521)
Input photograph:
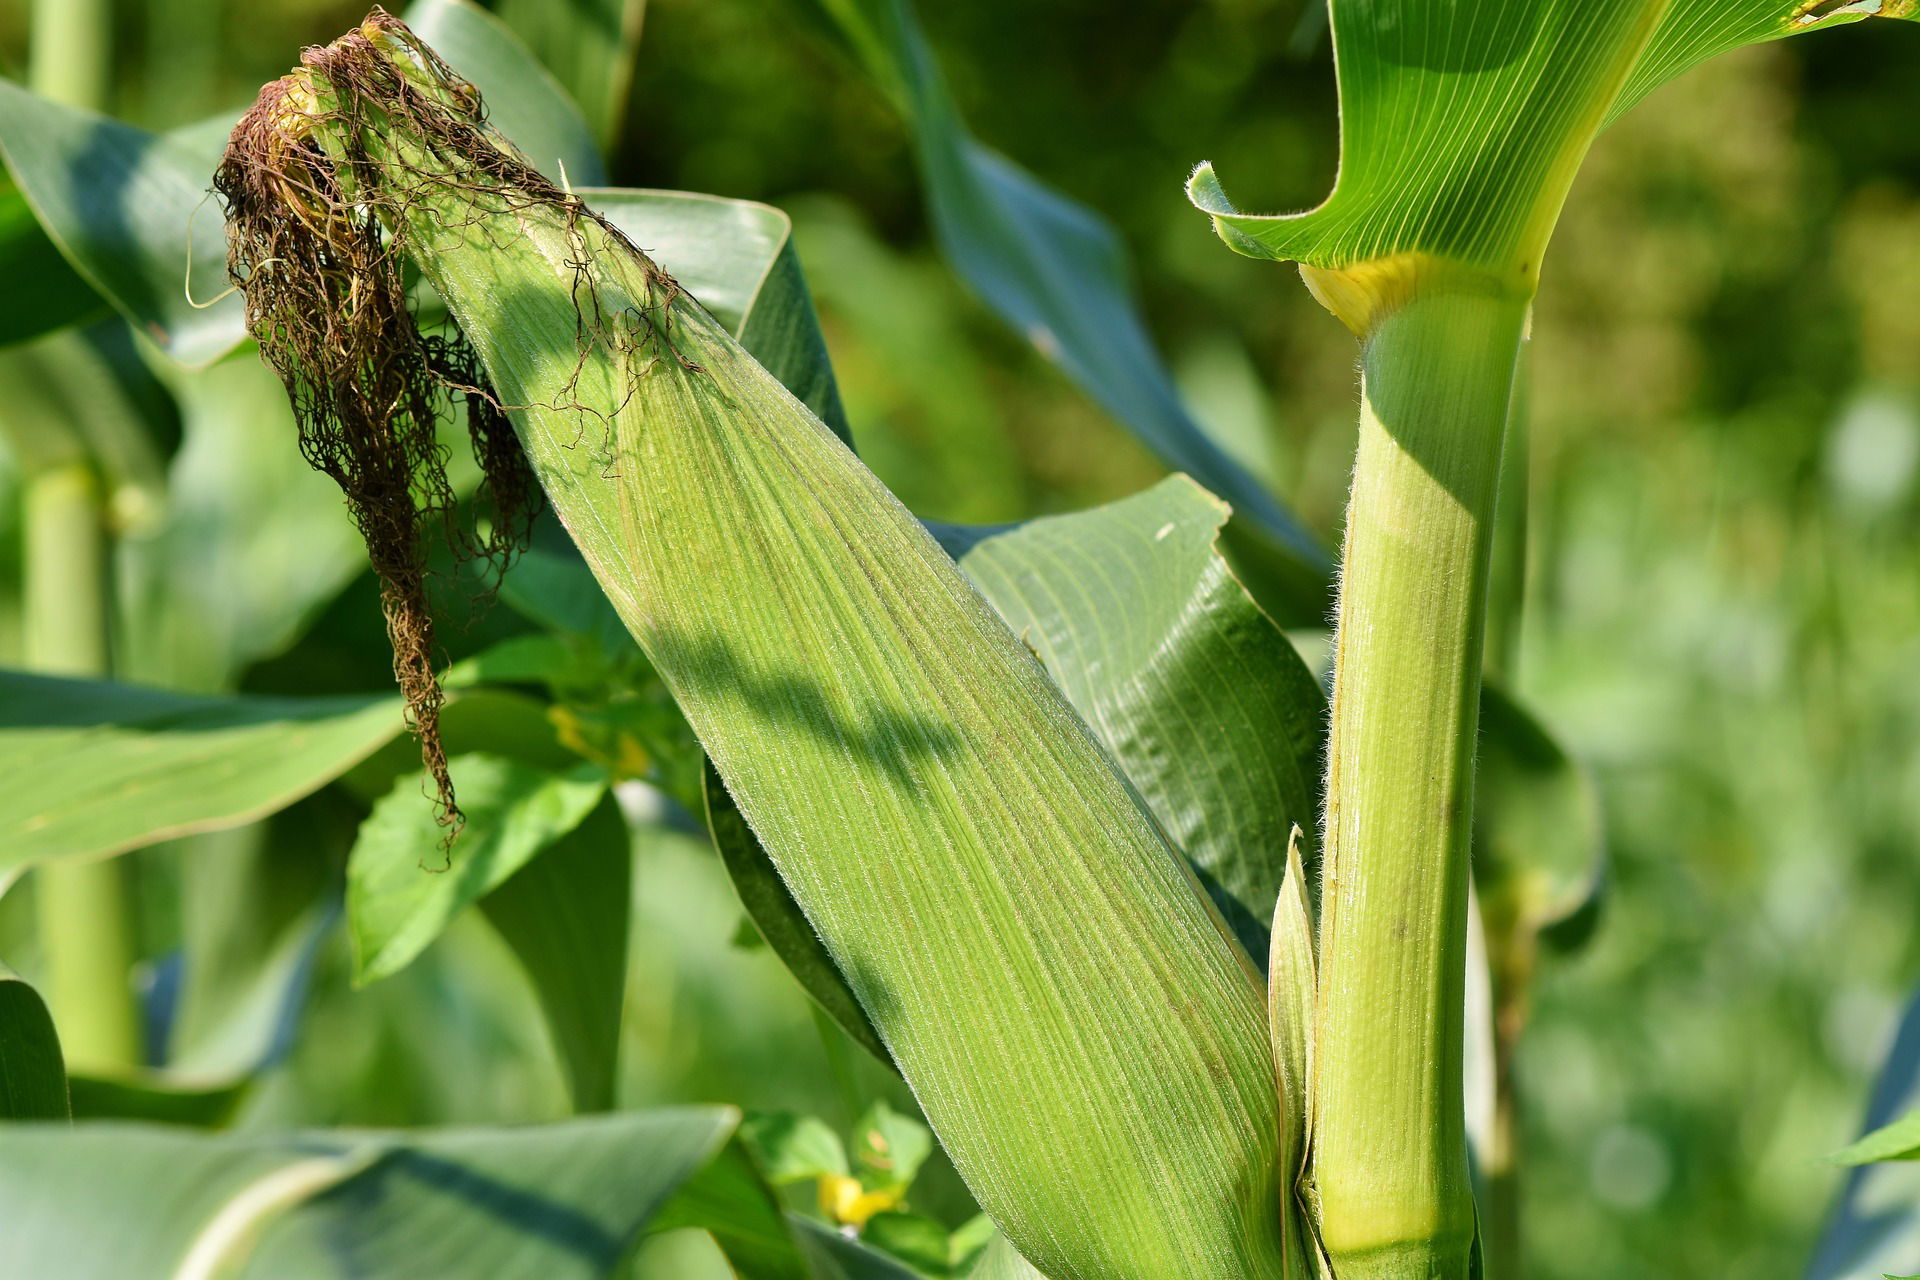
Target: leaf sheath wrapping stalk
point(1087, 1041)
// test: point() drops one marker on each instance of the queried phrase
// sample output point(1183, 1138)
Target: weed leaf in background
point(1897, 1141)
point(400, 892)
point(1874, 1227)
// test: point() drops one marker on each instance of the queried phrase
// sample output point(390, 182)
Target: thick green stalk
point(83, 914)
point(82, 907)
point(1390, 1155)
point(71, 56)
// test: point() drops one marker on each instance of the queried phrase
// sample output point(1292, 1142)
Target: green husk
point(1084, 1035)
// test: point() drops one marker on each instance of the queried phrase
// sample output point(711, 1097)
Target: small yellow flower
point(843, 1200)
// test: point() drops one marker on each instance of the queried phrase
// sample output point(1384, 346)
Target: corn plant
point(1171, 947)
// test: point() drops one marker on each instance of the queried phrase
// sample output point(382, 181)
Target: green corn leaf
point(121, 205)
point(1692, 31)
point(496, 722)
point(35, 269)
point(33, 1072)
point(1874, 1226)
point(1141, 624)
point(590, 46)
point(737, 258)
point(231, 573)
point(96, 768)
point(989, 885)
point(832, 1256)
point(543, 1202)
point(555, 589)
point(919, 1241)
point(1000, 1261)
point(1058, 274)
point(153, 1096)
point(400, 893)
point(1431, 159)
point(538, 658)
point(1208, 709)
point(1897, 1141)
point(524, 101)
point(220, 1051)
point(769, 904)
point(73, 398)
point(1539, 855)
point(1461, 128)
point(565, 915)
point(730, 1200)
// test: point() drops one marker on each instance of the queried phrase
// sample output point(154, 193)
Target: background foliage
point(1724, 617)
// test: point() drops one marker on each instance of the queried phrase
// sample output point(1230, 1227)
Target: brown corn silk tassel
point(316, 242)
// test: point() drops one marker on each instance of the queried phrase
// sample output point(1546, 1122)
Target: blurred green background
point(1724, 577)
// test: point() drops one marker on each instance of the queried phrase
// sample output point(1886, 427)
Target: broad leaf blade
point(835, 1257)
point(774, 913)
point(1207, 708)
point(538, 1203)
point(524, 101)
point(1461, 126)
point(96, 768)
point(1432, 158)
point(1897, 1141)
point(33, 1072)
point(1539, 856)
point(736, 257)
point(1693, 31)
point(731, 1201)
point(565, 915)
point(35, 269)
point(590, 46)
point(1058, 275)
point(121, 204)
point(404, 888)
